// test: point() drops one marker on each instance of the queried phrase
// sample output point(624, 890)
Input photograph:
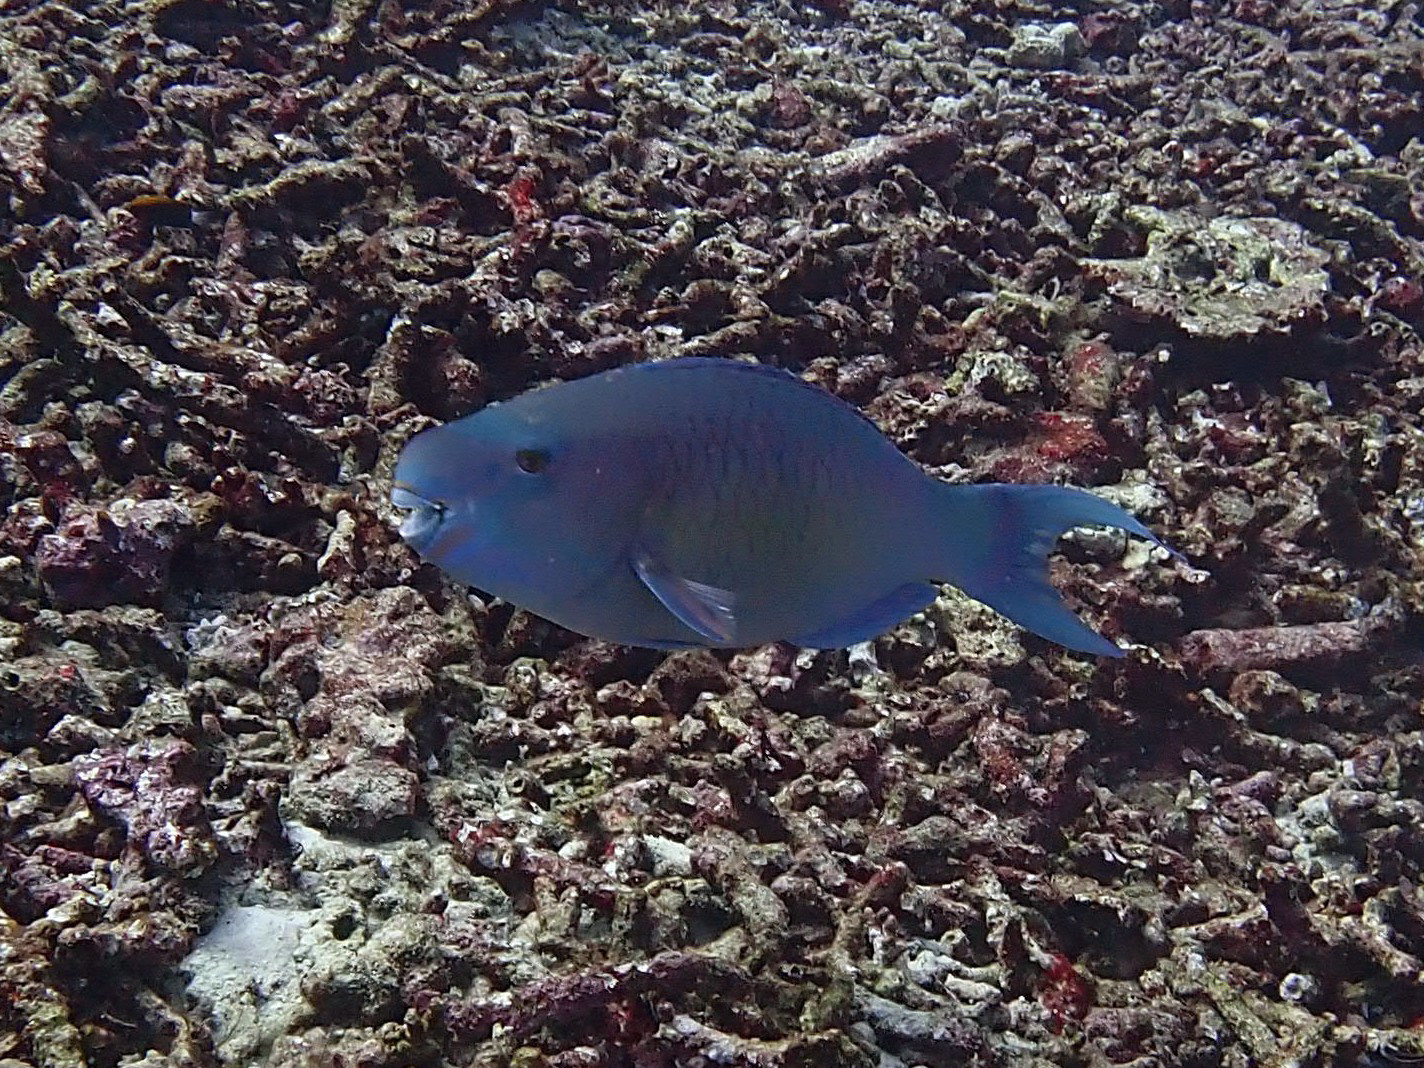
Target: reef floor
point(273, 793)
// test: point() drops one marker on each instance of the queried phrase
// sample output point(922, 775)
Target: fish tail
point(997, 545)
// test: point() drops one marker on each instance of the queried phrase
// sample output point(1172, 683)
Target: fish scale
point(713, 502)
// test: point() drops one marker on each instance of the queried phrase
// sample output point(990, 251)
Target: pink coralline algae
point(123, 553)
point(1174, 255)
point(154, 789)
point(1317, 650)
point(1064, 992)
point(356, 677)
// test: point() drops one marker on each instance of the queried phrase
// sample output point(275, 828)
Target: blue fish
point(706, 502)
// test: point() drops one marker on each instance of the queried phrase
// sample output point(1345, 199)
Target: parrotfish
point(709, 502)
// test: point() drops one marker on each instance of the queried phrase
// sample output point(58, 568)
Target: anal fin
point(874, 619)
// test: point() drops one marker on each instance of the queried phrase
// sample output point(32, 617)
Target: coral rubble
point(273, 793)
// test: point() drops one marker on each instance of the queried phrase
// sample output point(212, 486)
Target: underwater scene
point(781, 534)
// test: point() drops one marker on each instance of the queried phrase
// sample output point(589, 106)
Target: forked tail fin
point(997, 538)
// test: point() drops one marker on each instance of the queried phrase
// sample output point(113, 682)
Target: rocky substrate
point(273, 793)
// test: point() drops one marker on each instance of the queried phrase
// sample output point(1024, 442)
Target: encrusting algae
point(274, 793)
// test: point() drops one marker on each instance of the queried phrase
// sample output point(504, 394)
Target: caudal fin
point(997, 541)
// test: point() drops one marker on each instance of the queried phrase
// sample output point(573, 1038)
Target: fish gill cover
point(273, 793)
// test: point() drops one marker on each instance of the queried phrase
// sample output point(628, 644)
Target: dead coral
point(247, 249)
point(109, 555)
point(1220, 279)
point(153, 789)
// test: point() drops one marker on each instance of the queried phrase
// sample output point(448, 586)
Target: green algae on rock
point(1219, 279)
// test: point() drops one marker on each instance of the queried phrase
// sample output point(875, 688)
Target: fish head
point(508, 502)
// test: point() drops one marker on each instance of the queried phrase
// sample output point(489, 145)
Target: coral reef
point(271, 792)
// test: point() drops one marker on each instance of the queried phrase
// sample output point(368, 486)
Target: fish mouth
point(424, 517)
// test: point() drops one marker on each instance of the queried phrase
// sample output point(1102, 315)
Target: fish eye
point(532, 461)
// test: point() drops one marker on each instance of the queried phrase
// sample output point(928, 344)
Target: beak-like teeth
point(420, 525)
point(402, 497)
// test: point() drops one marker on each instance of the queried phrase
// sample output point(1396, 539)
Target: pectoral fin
point(709, 610)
